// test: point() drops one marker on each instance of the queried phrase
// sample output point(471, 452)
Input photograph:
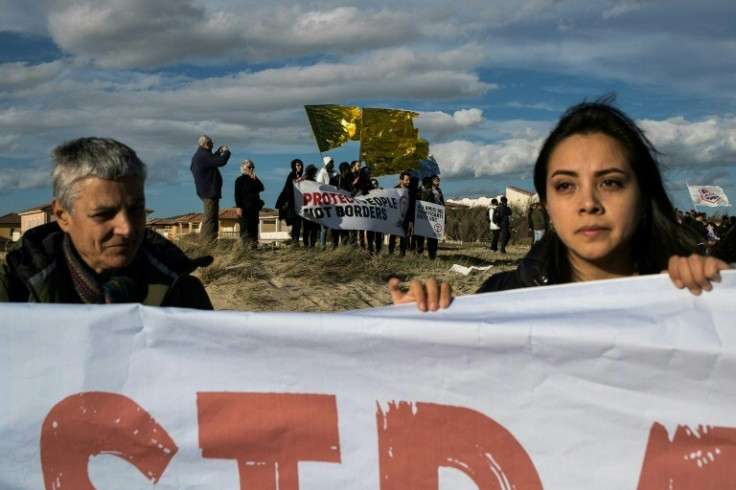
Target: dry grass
point(348, 278)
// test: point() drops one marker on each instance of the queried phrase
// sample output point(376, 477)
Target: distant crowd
point(352, 178)
point(355, 179)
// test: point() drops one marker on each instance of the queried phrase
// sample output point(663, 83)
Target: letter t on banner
point(414, 441)
point(268, 434)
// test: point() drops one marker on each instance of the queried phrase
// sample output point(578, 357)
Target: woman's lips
point(592, 232)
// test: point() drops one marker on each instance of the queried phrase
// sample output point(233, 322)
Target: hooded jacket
point(285, 202)
point(35, 271)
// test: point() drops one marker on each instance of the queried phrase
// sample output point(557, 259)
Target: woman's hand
point(429, 296)
point(696, 272)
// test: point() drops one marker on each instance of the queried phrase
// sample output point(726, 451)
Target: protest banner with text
point(429, 220)
point(607, 385)
point(381, 210)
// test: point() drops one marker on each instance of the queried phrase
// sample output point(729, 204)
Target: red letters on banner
point(93, 423)
point(267, 434)
point(415, 440)
point(695, 458)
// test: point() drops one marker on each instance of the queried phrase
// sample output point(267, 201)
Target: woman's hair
point(658, 236)
point(293, 168)
point(104, 158)
point(246, 164)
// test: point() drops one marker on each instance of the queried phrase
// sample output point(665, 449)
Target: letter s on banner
point(413, 442)
point(702, 458)
point(268, 434)
point(92, 423)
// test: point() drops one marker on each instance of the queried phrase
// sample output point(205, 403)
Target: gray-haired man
point(208, 181)
point(98, 250)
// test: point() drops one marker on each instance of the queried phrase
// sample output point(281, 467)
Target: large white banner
point(382, 210)
point(429, 220)
point(606, 385)
point(708, 195)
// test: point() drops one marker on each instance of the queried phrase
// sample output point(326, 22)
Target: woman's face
point(594, 203)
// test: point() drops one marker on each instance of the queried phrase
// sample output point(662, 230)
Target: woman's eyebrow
point(612, 170)
point(570, 173)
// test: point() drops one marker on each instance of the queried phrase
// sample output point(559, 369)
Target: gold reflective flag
point(388, 142)
point(333, 125)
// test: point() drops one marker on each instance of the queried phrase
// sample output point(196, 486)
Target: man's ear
point(62, 215)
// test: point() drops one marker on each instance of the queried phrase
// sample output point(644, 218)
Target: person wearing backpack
point(495, 229)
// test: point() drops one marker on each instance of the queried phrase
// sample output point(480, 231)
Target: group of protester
point(355, 179)
point(596, 175)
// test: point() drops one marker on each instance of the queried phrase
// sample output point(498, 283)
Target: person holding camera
point(208, 181)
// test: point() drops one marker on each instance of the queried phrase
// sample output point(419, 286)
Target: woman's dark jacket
point(247, 192)
point(530, 272)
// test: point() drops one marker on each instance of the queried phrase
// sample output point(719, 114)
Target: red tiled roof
point(10, 219)
point(42, 207)
point(228, 213)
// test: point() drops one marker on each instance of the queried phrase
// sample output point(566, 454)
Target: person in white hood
point(324, 176)
point(327, 171)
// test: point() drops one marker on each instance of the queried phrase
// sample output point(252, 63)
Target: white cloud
point(19, 75)
point(703, 148)
point(511, 157)
point(438, 126)
point(709, 143)
point(20, 179)
point(141, 34)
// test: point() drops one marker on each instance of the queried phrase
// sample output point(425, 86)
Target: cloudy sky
point(488, 77)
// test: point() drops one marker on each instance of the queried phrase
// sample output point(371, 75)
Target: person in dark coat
point(343, 181)
point(205, 168)
point(408, 222)
point(248, 202)
point(98, 250)
point(427, 193)
point(285, 202)
point(505, 222)
point(311, 229)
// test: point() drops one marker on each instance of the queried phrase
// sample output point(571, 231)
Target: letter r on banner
point(268, 434)
point(414, 441)
point(92, 423)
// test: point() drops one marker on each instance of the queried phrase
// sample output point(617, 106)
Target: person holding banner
point(98, 249)
point(285, 201)
point(408, 223)
point(428, 194)
point(610, 216)
point(310, 228)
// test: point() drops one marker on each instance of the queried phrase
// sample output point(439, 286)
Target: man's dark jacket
point(35, 271)
point(206, 172)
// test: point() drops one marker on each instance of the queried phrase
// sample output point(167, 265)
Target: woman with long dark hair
point(610, 216)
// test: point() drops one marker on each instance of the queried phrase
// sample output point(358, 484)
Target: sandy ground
point(271, 280)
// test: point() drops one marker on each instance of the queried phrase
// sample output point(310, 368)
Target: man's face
point(404, 182)
point(106, 223)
